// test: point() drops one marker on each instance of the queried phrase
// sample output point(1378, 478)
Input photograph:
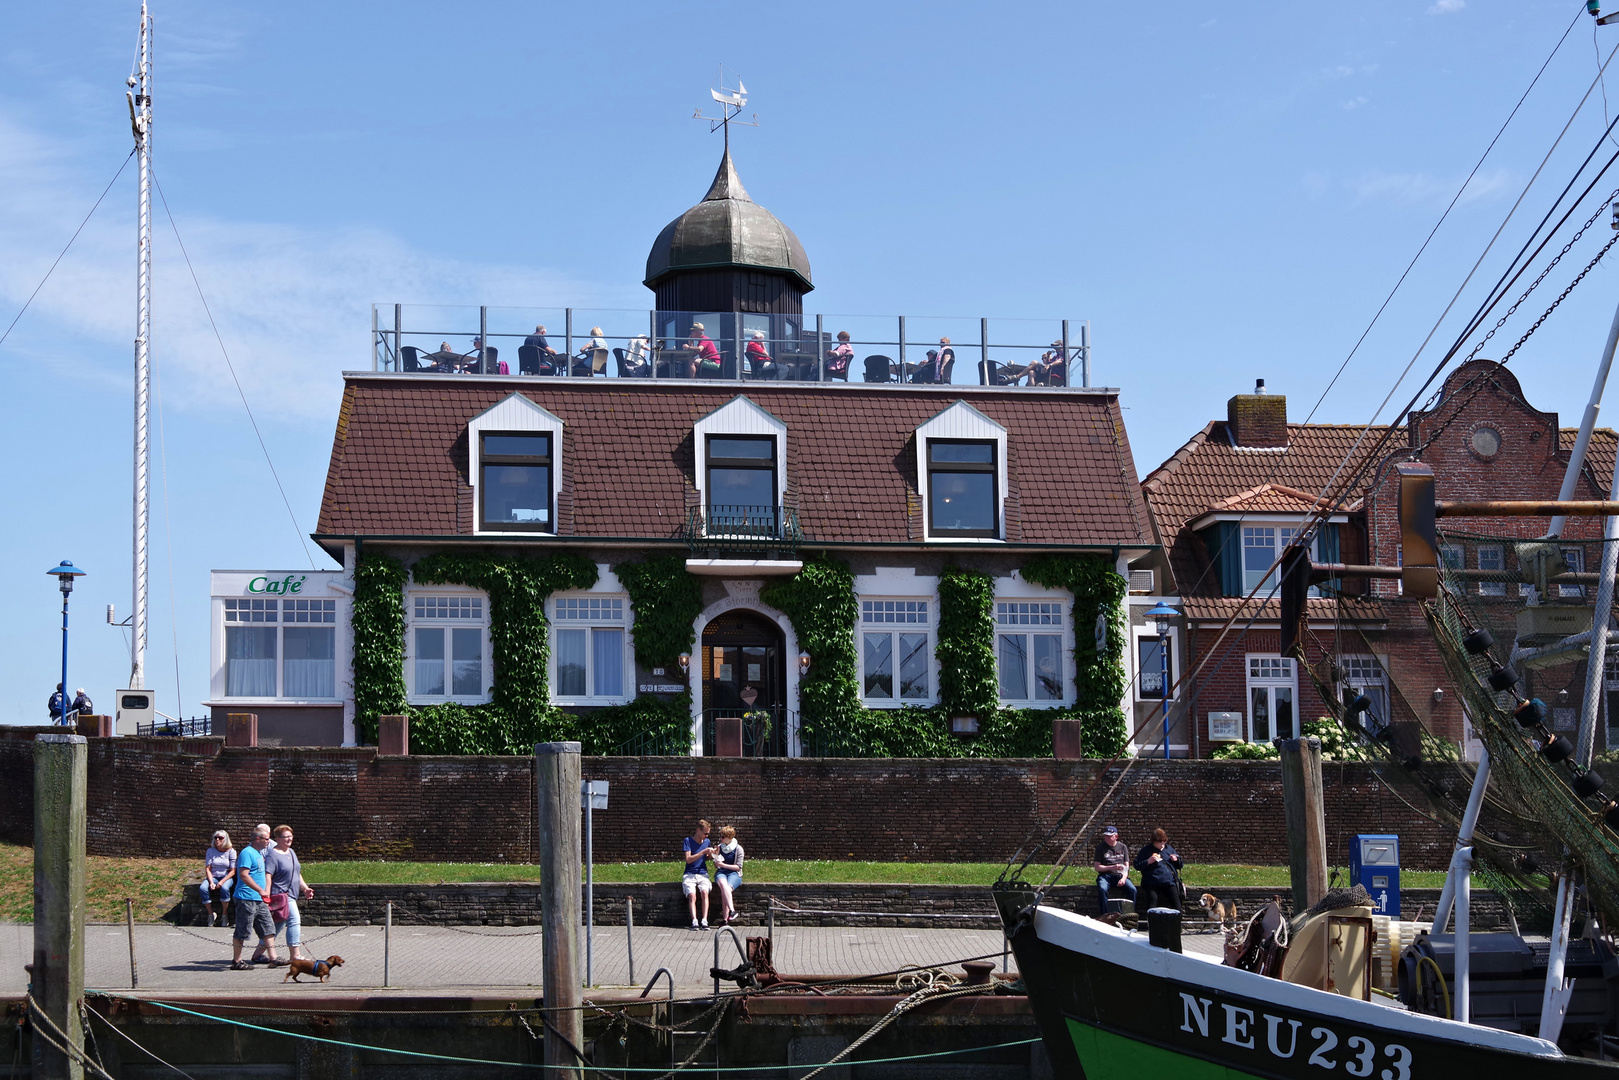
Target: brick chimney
point(1257, 419)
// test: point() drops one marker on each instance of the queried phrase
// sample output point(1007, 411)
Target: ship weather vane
point(731, 102)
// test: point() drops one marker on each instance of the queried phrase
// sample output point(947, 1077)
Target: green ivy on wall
point(821, 604)
point(666, 601)
point(519, 713)
point(1100, 679)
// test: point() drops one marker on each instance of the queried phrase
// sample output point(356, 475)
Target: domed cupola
point(728, 254)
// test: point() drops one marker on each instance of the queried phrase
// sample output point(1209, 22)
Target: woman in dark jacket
point(1160, 866)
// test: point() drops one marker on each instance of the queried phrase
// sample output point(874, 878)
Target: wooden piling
point(58, 977)
point(1306, 819)
point(557, 774)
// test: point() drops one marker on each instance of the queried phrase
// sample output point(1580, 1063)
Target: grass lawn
point(155, 884)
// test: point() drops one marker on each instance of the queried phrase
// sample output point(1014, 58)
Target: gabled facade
point(1226, 503)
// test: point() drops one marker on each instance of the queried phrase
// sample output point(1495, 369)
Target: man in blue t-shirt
point(694, 875)
point(252, 909)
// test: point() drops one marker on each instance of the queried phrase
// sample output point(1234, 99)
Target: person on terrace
point(759, 362)
point(841, 356)
point(705, 359)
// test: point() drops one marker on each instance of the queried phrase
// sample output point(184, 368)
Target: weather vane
point(731, 102)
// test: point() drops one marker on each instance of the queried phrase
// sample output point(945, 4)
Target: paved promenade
point(458, 959)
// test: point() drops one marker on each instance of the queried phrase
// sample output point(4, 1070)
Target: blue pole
point(1163, 664)
point(63, 718)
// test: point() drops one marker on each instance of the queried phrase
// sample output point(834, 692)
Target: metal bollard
point(1005, 945)
point(770, 925)
point(387, 941)
point(629, 934)
point(129, 922)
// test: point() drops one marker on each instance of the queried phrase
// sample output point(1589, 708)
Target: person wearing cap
point(82, 703)
point(218, 877)
point(1112, 865)
point(760, 365)
point(705, 354)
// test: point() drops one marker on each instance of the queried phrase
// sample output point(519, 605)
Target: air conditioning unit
point(1141, 582)
point(135, 707)
point(1545, 624)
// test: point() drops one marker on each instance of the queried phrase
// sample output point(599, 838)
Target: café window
point(1262, 545)
point(896, 651)
point(589, 647)
point(280, 648)
point(1029, 650)
point(962, 488)
point(515, 481)
point(1272, 699)
point(447, 657)
point(741, 484)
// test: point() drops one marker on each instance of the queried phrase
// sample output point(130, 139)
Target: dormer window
point(961, 488)
point(515, 467)
point(516, 472)
point(741, 482)
point(961, 466)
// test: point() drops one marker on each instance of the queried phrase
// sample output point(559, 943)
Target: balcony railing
point(192, 728)
point(764, 730)
point(739, 530)
point(743, 347)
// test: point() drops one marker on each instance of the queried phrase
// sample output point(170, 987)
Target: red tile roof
point(399, 458)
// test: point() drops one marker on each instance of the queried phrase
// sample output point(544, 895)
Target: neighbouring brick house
point(746, 474)
point(1226, 503)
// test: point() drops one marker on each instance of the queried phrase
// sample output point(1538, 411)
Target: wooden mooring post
point(556, 774)
point(1306, 819)
point(58, 976)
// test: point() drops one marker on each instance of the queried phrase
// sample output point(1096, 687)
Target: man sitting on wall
point(694, 876)
point(1112, 865)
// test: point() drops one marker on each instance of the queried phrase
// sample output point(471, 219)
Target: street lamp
point(1163, 613)
point(64, 575)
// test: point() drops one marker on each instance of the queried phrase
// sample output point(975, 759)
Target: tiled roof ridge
point(1154, 479)
point(334, 469)
point(1261, 489)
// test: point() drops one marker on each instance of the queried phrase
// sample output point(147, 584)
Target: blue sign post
point(1374, 862)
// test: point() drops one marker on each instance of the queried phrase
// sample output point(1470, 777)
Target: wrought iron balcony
point(755, 531)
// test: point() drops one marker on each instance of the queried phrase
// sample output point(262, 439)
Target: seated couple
point(727, 857)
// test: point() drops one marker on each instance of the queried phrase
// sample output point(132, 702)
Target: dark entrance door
point(743, 675)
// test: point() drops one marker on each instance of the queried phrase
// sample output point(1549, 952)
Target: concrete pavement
point(446, 958)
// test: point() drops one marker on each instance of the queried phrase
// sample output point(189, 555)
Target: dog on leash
point(1221, 911)
point(320, 969)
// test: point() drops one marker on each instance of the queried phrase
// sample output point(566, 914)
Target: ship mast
point(141, 118)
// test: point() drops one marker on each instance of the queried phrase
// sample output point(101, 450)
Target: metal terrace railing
point(744, 347)
point(168, 725)
point(738, 530)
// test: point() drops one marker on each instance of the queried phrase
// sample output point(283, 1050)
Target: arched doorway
point(744, 674)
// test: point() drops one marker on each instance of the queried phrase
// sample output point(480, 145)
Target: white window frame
point(592, 621)
point(1281, 531)
point(1058, 629)
point(1574, 560)
point(280, 623)
point(1368, 674)
point(514, 413)
point(1264, 679)
point(1149, 632)
point(412, 624)
point(739, 417)
point(962, 422)
point(1496, 554)
point(927, 625)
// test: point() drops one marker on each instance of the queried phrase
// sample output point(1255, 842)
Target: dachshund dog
point(1221, 911)
point(320, 969)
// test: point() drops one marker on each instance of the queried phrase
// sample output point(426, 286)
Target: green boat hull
point(1112, 1007)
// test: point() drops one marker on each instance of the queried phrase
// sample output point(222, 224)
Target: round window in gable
point(1485, 442)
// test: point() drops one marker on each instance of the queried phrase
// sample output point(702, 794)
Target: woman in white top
point(728, 870)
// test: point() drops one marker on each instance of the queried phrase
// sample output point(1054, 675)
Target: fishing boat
point(1332, 991)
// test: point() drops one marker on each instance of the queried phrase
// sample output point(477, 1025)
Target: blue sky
point(1226, 195)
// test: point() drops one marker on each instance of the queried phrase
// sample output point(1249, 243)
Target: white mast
point(141, 117)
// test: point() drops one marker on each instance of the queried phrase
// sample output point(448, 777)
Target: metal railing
point(738, 529)
point(764, 730)
point(731, 346)
point(170, 726)
point(661, 743)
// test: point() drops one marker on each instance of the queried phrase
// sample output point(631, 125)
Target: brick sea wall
point(166, 796)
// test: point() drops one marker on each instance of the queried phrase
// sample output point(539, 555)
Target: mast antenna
point(140, 105)
point(731, 102)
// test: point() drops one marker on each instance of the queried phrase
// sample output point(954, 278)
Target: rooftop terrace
point(646, 344)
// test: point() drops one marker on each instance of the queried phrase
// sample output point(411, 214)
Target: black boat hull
point(1112, 1007)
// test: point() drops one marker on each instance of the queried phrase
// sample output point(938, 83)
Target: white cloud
point(292, 304)
point(1354, 103)
point(1421, 188)
point(1446, 7)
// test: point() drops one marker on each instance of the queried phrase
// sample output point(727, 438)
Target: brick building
point(773, 452)
point(1227, 502)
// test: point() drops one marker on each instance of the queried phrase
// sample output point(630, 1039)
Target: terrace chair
point(948, 369)
point(990, 374)
point(728, 368)
point(829, 374)
point(408, 358)
point(491, 362)
point(625, 371)
point(598, 362)
point(878, 369)
point(528, 360)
